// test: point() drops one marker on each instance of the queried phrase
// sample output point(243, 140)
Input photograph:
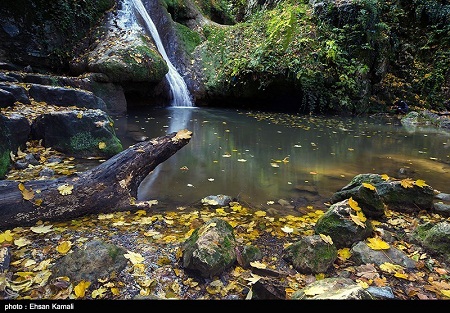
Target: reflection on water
point(281, 161)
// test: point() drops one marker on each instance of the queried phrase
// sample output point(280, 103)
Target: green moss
point(84, 143)
point(5, 161)
point(190, 38)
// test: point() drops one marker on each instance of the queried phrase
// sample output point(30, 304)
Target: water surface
point(281, 162)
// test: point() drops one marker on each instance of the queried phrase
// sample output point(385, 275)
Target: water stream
point(180, 93)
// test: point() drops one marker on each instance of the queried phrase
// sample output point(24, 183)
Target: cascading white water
point(180, 92)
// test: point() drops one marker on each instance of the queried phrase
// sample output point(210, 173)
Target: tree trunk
point(112, 186)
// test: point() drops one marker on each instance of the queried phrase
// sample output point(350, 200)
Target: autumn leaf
point(369, 186)
point(258, 264)
point(353, 204)
point(182, 134)
point(446, 292)
point(254, 279)
point(401, 275)
point(344, 254)
point(21, 242)
point(99, 293)
point(64, 247)
point(260, 213)
point(377, 244)
point(384, 177)
point(407, 183)
point(65, 189)
point(41, 229)
point(80, 114)
point(135, 258)
point(356, 219)
point(26, 194)
point(6, 236)
point(80, 289)
point(326, 238)
point(313, 291)
point(390, 268)
point(420, 183)
point(287, 229)
point(101, 145)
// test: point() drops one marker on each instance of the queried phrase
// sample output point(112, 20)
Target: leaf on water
point(242, 160)
point(80, 289)
point(65, 189)
point(326, 238)
point(135, 258)
point(369, 186)
point(64, 247)
point(101, 145)
point(80, 114)
point(274, 164)
point(420, 183)
point(377, 244)
point(41, 229)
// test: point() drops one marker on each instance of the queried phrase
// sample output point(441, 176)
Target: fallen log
point(112, 186)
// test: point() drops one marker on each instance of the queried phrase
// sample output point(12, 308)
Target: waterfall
point(180, 93)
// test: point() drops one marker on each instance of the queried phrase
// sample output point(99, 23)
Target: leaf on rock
point(390, 268)
point(407, 183)
point(344, 254)
point(65, 189)
point(41, 229)
point(101, 145)
point(385, 177)
point(64, 247)
point(357, 220)
point(377, 244)
point(369, 186)
point(254, 279)
point(314, 290)
point(326, 238)
point(258, 264)
point(26, 194)
point(420, 183)
point(353, 204)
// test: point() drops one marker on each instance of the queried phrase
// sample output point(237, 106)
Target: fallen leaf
point(377, 244)
point(65, 189)
point(326, 238)
point(80, 289)
point(41, 229)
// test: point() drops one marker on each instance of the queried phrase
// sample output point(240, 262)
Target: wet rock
point(19, 92)
point(7, 99)
point(210, 249)
point(434, 237)
point(218, 200)
point(96, 259)
point(311, 255)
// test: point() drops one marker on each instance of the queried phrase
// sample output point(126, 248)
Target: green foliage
point(4, 162)
point(190, 38)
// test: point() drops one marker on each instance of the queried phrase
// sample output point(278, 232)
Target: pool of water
point(281, 162)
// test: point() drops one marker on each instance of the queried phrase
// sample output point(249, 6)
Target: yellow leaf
point(98, 293)
point(420, 183)
point(64, 247)
point(41, 229)
point(80, 114)
point(260, 213)
point(357, 220)
point(377, 244)
point(353, 204)
point(26, 194)
point(314, 290)
point(80, 289)
point(258, 264)
point(401, 275)
point(361, 216)
point(390, 268)
point(446, 292)
point(182, 134)
point(65, 189)
point(6, 236)
point(101, 145)
point(326, 238)
point(253, 279)
point(115, 291)
point(287, 229)
point(21, 242)
point(344, 254)
point(407, 183)
point(384, 177)
point(135, 258)
point(369, 186)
